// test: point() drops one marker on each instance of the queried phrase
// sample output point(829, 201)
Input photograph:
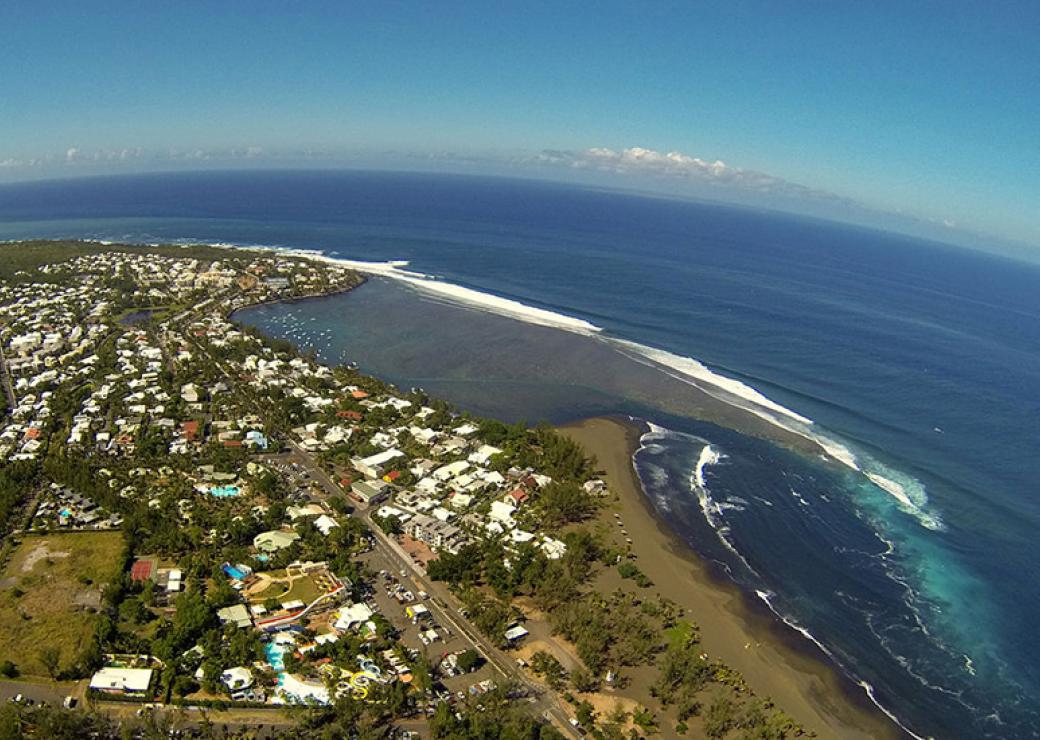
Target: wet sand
point(775, 662)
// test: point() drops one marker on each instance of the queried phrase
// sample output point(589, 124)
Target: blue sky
point(930, 108)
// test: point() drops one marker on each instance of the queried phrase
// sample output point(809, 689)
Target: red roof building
point(190, 430)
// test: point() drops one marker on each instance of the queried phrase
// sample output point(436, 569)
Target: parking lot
point(393, 594)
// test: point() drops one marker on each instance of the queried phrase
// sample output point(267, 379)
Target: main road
point(446, 605)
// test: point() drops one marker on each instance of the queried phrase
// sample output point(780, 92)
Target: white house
point(133, 681)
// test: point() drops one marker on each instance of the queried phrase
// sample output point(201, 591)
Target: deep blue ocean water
point(920, 360)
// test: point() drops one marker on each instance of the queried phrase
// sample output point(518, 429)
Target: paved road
point(12, 401)
point(38, 692)
point(446, 607)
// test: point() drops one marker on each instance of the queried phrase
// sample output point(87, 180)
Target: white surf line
point(684, 369)
point(698, 371)
point(467, 296)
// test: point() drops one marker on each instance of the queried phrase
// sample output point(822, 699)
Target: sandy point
point(775, 662)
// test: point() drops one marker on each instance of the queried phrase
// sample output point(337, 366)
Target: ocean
point(908, 557)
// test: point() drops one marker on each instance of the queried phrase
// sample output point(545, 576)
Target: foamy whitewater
point(902, 553)
point(464, 296)
point(655, 478)
point(686, 369)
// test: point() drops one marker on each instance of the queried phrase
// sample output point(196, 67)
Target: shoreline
point(745, 635)
point(776, 663)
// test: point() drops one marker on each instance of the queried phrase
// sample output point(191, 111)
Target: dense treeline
point(16, 483)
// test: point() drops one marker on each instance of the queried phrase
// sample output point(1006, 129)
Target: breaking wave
point(907, 491)
point(767, 597)
point(459, 294)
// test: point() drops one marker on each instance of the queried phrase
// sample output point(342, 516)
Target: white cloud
point(72, 154)
point(678, 166)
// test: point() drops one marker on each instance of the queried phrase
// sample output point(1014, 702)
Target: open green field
point(303, 588)
point(49, 595)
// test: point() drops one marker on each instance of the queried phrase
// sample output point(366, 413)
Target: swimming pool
point(234, 572)
point(224, 491)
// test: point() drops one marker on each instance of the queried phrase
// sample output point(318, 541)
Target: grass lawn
point(304, 588)
point(49, 594)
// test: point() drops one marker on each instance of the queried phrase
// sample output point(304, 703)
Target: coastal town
point(208, 532)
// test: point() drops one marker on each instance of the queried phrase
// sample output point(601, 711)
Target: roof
point(368, 490)
point(381, 458)
point(122, 679)
point(351, 615)
point(515, 633)
point(274, 540)
point(236, 614)
point(325, 524)
point(237, 678)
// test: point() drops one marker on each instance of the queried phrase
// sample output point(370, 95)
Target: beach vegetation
point(584, 680)
point(645, 718)
point(564, 503)
point(549, 668)
point(628, 569)
point(720, 717)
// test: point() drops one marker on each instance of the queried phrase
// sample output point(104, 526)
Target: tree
point(586, 714)
point(50, 658)
point(8, 669)
point(184, 685)
point(548, 666)
point(563, 503)
point(469, 660)
point(422, 674)
point(443, 723)
point(720, 717)
point(583, 680)
point(461, 569)
point(389, 524)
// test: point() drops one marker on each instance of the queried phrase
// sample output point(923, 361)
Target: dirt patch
point(41, 552)
point(419, 551)
point(606, 704)
point(88, 598)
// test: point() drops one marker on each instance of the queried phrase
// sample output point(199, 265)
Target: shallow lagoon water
point(922, 360)
point(764, 514)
